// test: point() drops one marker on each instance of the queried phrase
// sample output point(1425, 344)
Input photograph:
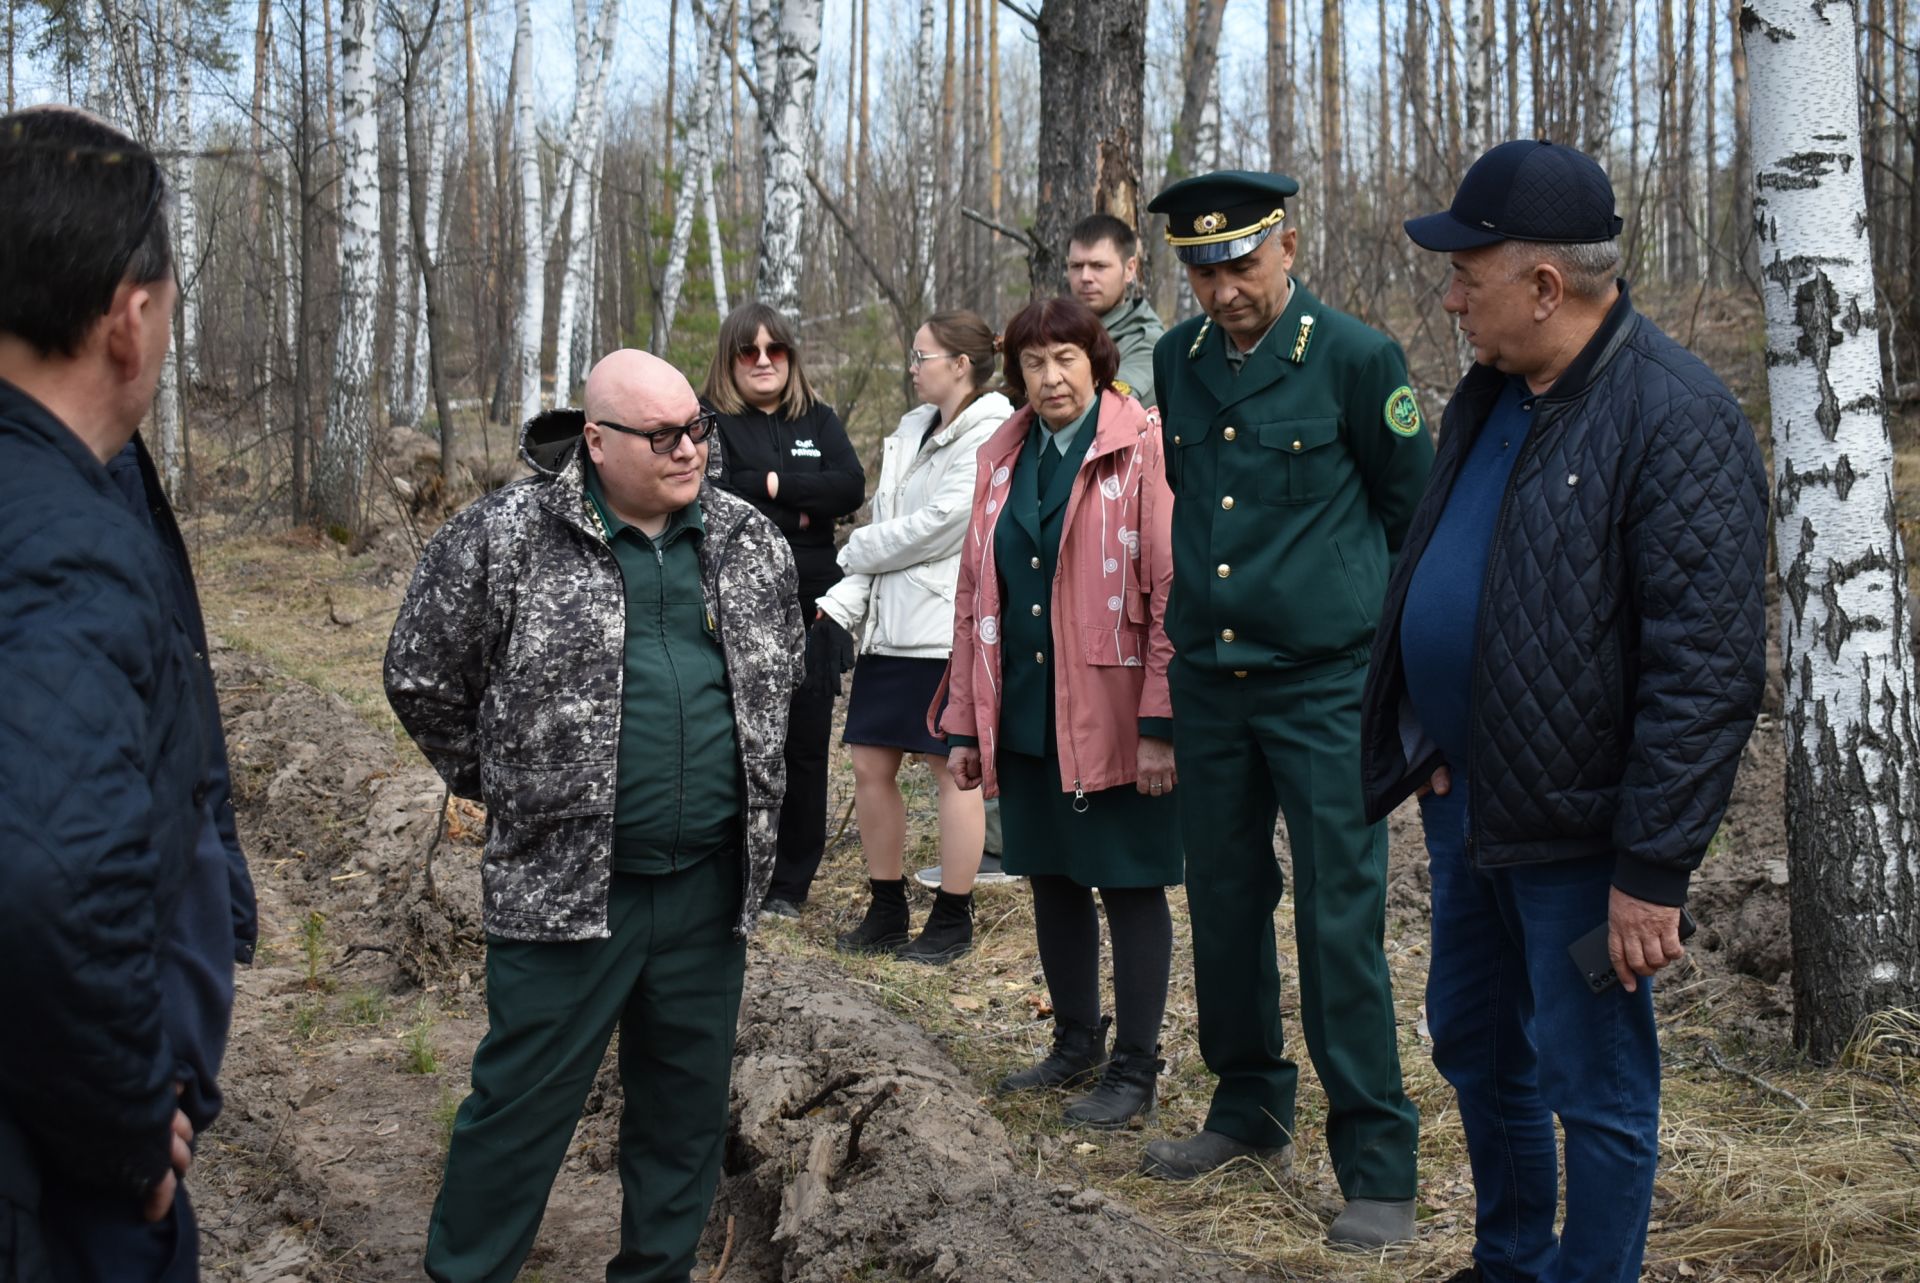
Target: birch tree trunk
point(786, 53)
point(923, 182)
point(186, 214)
point(433, 180)
point(1479, 34)
point(710, 203)
point(695, 172)
point(341, 471)
point(1853, 757)
point(531, 327)
point(590, 113)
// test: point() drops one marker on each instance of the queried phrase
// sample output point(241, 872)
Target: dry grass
point(1751, 1188)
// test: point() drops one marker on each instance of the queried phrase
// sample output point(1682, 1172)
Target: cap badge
point(1208, 224)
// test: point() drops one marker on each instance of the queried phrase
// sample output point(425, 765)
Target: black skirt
point(889, 702)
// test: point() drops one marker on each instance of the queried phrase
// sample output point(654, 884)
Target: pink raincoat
point(1109, 601)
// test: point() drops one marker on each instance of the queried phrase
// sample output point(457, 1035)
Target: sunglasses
point(667, 440)
point(750, 353)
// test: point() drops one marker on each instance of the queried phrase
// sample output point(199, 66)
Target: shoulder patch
point(1403, 412)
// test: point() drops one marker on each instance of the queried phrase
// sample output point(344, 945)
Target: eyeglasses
point(917, 358)
point(750, 353)
point(667, 440)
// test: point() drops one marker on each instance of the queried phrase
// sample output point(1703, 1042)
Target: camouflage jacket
point(506, 665)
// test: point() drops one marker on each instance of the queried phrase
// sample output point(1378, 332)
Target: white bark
point(1479, 51)
point(340, 474)
point(1853, 772)
point(186, 215)
point(710, 208)
point(533, 249)
point(696, 161)
point(786, 55)
point(439, 128)
point(925, 102)
point(404, 320)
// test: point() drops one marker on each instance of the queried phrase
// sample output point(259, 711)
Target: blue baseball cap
point(1525, 190)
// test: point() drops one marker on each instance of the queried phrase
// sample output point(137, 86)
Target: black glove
point(829, 654)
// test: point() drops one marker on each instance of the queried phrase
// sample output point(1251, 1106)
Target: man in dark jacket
point(604, 655)
point(124, 901)
point(1569, 663)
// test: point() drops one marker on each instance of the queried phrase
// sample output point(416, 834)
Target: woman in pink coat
point(1057, 693)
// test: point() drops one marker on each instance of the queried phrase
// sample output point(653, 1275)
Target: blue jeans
point(1522, 1040)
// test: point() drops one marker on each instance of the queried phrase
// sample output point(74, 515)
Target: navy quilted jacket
point(104, 758)
point(1621, 650)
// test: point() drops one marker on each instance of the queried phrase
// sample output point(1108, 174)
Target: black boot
point(948, 933)
point(884, 929)
point(1125, 1091)
point(1078, 1053)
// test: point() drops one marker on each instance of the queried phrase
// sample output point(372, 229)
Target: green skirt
point(1122, 839)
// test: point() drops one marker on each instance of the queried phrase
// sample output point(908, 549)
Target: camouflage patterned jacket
point(506, 665)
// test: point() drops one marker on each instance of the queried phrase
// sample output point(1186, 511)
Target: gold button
point(1227, 502)
point(1034, 562)
point(1039, 656)
point(1296, 445)
point(1176, 438)
point(1229, 434)
point(1036, 610)
point(1239, 672)
point(1226, 634)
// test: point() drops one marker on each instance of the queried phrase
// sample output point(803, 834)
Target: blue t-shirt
point(1441, 619)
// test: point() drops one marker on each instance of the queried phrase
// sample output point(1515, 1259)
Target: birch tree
point(593, 54)
point(786, 54)
point(924, 190)
point(341, 471)
point(695, 175)
point(531, 328)
point(1853, 757)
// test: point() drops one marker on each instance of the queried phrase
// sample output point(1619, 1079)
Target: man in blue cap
point(1297, 453)
point(1571, 657)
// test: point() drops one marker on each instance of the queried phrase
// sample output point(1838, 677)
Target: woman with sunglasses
point(898, 596)
point(783, 450)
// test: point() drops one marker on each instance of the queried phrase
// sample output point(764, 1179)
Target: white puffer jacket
point(903, 565)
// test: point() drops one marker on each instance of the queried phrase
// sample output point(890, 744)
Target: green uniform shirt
point(1293, 483)
point(677, 790)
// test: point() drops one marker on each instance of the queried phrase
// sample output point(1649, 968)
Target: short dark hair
point(1058, 320)
point(83, 212)
point(1094, 228)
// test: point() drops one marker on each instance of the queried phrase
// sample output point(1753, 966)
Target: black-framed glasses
point(917, 358)
point(156, 188)
point(667, 440)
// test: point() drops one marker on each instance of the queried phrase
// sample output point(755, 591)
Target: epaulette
point(1123, 387)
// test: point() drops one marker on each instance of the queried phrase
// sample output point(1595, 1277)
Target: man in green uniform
point(604, 654)
point(1296, 453)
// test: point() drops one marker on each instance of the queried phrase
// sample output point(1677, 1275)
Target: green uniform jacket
point(1134, 328)
point(1293, 484)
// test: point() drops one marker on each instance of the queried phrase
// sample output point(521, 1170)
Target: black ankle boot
point(1125, 1091)
point(948, 933)
point(1078, 1053)
point(884, 929)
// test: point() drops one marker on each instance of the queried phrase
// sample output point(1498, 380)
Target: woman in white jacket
point(898, 598)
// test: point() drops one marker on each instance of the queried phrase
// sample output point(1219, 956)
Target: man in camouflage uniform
point(604, 654)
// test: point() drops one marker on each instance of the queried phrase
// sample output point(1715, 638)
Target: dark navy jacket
point(114, 905)
point(1621, 650)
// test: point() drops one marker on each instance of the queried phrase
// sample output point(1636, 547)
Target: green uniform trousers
point(670, 977)
point(1249, 748)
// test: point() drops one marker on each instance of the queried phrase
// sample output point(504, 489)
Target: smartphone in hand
point(1590, 958)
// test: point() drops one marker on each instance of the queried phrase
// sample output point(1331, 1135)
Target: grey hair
point(1588, 269)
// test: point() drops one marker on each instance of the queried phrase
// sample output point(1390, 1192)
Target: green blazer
point(1293, 484)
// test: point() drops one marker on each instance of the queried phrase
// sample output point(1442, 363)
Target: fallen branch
point(333, 616)
point(1720, 1062)
point(726, 1256)
point(365, 946)
point(860, 1121)
point(433, 844)
point(819, 1098)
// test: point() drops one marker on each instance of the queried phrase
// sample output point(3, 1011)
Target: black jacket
point(820, 475)
point(1621, 650)
point(104, 770)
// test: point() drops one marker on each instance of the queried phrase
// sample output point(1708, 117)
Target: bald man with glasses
point(604, 655)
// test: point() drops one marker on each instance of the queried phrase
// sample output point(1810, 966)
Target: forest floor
point(354, 1029)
